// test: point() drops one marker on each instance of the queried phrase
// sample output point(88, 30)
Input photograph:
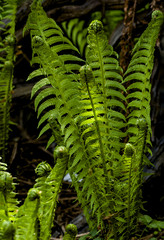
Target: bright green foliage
point(151, 223)
point(7, 230)
point(34, 219)
point(88, 113)
point(7, 196)
point(137, 78)
point(8, 203)
point(27, 218)
point(108, 80)
point(99, 118)
point(57, 74)
point(70, 233)
point(50, 190)
point(77, 32)
point(128, 187)
point(76, 29)
point(7, 22)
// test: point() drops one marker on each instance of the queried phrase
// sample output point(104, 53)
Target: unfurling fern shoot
point(70, 233)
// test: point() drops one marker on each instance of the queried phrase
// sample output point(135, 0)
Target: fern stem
point(9, 79)
point(141, 146)
point(104, 94)
point(129, 152)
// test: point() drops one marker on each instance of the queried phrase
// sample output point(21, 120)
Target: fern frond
point(65, 99)
point(5, 99)
point(7, 230)
point(77, 32)
point(93, 120)
point(48, 42)
point(27, 218)
point(66, 105)
point(51, 35)
point(107, 73)
point(43, 170)
point(93, 132)
point(137, 78)
point(70, 233)
point(8, 206)
point(125, 190)
point(50, 190)
point(128, 186)
point(6, 66)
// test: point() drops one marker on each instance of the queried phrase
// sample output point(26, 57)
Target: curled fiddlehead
point(70, 233)
point(43, 169)
point(7, 230)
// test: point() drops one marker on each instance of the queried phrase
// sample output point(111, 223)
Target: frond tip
point(43, 169)
point(8, 230)
point(71, 232)
point(95, 26)
point(60, 152)
point(129, 150)
point(157, 14)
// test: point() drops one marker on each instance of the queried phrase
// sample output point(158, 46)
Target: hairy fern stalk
point(102, 129)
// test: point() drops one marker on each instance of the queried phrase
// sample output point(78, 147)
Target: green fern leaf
point(27, 217)
point(137, 77)
point(106, 70)
point(77, 33)
point(50, 192)
point(8, 206)
point(46, 49)
point(7, 46)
